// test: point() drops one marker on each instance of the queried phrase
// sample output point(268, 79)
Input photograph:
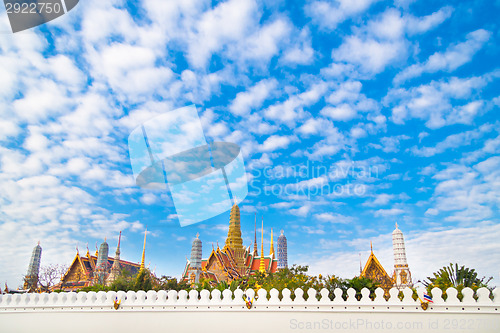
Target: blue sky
point(351, 116)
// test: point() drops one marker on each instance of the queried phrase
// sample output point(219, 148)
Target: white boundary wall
point(226, 312)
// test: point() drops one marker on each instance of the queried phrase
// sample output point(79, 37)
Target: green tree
point(143, 280)
point(457, 277)
point(360, 282)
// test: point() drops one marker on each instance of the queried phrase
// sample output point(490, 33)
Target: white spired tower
point(402, 275)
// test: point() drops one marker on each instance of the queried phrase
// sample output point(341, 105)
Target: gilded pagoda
point(234, 260)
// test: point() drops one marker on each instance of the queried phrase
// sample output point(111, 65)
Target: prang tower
point(402, 275)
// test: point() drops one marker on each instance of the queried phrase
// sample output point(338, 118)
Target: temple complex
point(99, 268)
point(401, 276)
point(234, 260)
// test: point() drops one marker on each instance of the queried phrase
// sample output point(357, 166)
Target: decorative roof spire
point(234, 240)
point(118, 246)
point(116, 263)
point(371, 246)
point(255, 250)
point(262, 267)
point(360, 269)
point(144, 249)
point(271, 251)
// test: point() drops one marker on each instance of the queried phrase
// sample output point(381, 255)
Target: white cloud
point(465, 192)
point(275, 142)
point(417, 25)
point(333, 218)
point(292, 110)
point(343, 112)
point(329, 14)
point(301, 53)
point(228, 22)
point(302, 211)
point(390, 144)
point(262, 45)
point(253, 97)
point(454, 57)
point(368, 54)
point(380, 200)
point(453, 141)
point(388, 212)
point(433, 102)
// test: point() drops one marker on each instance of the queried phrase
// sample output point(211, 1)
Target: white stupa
point(402, 275)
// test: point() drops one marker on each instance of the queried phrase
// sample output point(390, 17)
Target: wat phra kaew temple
point(233, 261)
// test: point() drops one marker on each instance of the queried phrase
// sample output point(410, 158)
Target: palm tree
point(459, 278)
point(456, 277)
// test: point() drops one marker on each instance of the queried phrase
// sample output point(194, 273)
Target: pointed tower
point(115, 269)
point(144, 250)
point(102, 265)
point(282, 251)
point(102, 258)
point(195, 262)
point(255, 250)
point(234, 242)
point(31, 278)
point(271, 250)
point(402, 275)
point(262, 266)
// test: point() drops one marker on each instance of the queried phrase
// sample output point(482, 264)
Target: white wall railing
point(227, 312)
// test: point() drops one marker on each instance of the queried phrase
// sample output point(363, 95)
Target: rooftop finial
point(262, 266)
point(197, 235)
point(271, 250)
point(360, 269)
point(371, 246)
point(255, 250)
point(144, 249)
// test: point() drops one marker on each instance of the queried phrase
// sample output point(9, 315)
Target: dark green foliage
point(457, 277)
point(143, 281)
point(360, 282)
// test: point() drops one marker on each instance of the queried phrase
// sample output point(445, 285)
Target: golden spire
point(144, 249)
point(271, 251)
point(96, 250)
point(262, 267)
point(234, 240)
point(255, 250)
point(371, 246)
point(88, 253)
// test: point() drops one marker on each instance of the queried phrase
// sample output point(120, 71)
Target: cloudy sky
point(351, 116)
